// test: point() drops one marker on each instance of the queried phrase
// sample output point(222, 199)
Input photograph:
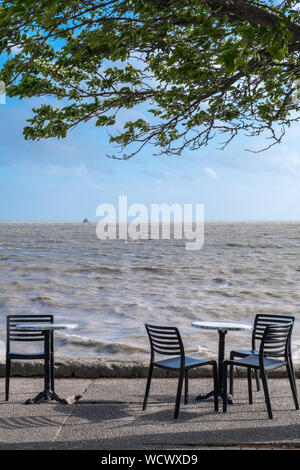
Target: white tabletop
point(45, 326)
point(223, 326)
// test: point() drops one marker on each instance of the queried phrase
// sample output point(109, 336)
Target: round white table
point(221, 328)
point(47, 330)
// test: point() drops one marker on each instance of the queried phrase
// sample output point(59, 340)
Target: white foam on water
point(2, 350)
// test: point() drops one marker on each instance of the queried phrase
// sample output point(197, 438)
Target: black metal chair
point(166, 341)
point(273, 353)
point(260, 322)
point(15, 335)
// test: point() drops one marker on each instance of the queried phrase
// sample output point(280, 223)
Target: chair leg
point(52, 373)
point(52, 363)
point(148, 387)
point(250, 386)
point(216, 386)
point(292, 370)
point(225, 387)
point(186, 387)
point(179, 392)
point(7, 377)
point(257, 380)
point(231, 371)
point(293, 385)
point(266, 392)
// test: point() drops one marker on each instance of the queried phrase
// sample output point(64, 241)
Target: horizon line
point(148, 221)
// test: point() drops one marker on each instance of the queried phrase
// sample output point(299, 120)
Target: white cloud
point(80, 170)
point(212, 173)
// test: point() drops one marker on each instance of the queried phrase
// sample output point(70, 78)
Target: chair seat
point(253, 361)
point(174, 362)
point(16, 355)
point(243, 352)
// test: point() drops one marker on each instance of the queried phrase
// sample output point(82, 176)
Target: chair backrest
point(14, 334)
point(165, 340)
point(276, 341)
point(263, 320)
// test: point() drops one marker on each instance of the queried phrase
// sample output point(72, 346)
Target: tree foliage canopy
point(200, 68)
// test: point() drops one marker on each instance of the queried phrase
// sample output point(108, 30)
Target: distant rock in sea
point(85, 221)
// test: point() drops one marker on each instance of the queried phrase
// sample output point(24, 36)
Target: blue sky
point(57, 180)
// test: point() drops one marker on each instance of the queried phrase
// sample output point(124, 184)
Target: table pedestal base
point(211, 394)
point(45, 396)
point(47, 393)
point(221, 355)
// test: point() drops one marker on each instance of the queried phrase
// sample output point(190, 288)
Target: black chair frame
point(260, 322)
point(166, 341)
point(275, 346)
point(14, 335)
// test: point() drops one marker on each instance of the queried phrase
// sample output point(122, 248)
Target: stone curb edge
point(103, 368)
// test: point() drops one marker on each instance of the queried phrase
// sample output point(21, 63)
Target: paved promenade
point(109, 416)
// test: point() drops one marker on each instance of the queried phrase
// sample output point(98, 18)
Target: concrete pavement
point(109, 416)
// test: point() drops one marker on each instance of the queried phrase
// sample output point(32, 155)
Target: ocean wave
point(102, 346)
point(43, 299)
point(256, 246)
point(94, 269)
point(222, 282)
point(29, 268)
point(235, 245)
point(155, 269)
